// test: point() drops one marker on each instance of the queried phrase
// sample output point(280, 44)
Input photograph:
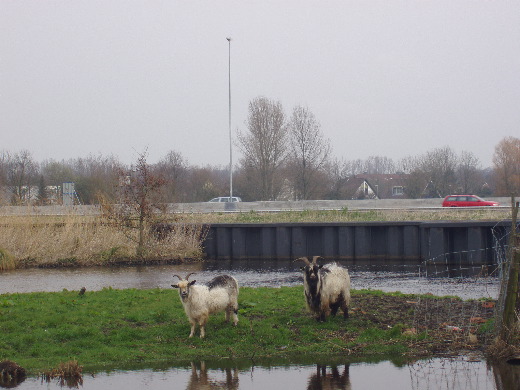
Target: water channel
point(258, 273)
point(463, 372)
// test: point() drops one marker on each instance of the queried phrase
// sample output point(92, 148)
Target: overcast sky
point(386, 78)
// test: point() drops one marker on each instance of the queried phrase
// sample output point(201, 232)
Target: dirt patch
point(428, 325)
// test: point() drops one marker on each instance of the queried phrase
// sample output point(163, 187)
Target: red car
point(466, 201)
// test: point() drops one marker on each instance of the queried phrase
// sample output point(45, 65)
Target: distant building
point(30, 195)
point(355, 187)
point(387, 186)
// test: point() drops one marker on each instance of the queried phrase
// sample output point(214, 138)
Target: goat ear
point(320, 266)
point(175, 285)
point(191, 283)
point(302, 268)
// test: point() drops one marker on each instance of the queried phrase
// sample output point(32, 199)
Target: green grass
point(121, 328)
point(346, 215)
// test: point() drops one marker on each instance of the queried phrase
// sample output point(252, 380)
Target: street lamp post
point(230, 141)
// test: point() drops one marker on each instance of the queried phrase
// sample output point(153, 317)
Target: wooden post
point(509, 315)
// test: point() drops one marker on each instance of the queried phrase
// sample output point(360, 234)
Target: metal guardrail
point(263, 206)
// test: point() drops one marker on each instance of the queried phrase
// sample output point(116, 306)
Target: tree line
point(283, 158)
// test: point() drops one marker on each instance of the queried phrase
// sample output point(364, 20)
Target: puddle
point(434, 374)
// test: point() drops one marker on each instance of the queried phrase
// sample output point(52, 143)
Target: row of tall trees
point(291, 159)
point(283, 157)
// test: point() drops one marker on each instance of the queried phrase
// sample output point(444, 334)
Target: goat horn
point(304, 259)
point(315, 258)
point(177, 276)
point(188, 276)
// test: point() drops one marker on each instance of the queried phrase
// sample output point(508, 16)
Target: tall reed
point(76, 240)
point(6, 260)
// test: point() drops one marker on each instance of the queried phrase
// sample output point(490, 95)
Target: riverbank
point(119, 328)
point(73, 240)
point(37, 241)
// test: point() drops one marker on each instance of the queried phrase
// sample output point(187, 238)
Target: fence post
point(509, 315)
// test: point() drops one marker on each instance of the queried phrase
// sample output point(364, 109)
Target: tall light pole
point(230, 144)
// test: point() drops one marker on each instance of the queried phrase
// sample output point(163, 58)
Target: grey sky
point(387, 78)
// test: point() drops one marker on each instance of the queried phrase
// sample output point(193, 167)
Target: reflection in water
point(433, 374)
point(507, 376)
point(463, 373)
point(10, 383)
point(330, 380)
point(11, 374)
point(200, 379)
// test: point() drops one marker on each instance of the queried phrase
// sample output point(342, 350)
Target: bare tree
point(407, 164)
point(56, 173)
point(468, 173)
point(440, 166)
point(264, 146)
point(204, 183)
point(4, 168)
point(22, 170)
point(353, 167)
point(336, 175)
point(418, 184)
point(174, 169)
point(140, 203)
point(94, 175)
point(379, 165)
point(373, 165)
point(309, 152)
point(506, 161)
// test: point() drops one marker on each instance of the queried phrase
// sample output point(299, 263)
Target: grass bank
point(120, 328)
point(346, 215)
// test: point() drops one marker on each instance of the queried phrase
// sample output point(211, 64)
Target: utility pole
point(230, 140)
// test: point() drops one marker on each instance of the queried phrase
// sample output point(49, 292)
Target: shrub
point(6, 260)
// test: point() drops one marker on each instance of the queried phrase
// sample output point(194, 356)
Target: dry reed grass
point(501, 350)
point(6, 260)
point(73, 240)
point(68, 374)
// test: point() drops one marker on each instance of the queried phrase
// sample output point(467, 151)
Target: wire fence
point(452, 373)
point(474, 319)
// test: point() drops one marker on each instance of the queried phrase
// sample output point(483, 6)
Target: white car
point(226, 199)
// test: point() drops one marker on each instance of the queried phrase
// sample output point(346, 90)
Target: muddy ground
point(435, 326)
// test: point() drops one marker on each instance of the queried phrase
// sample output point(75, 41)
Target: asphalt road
point(207, 207)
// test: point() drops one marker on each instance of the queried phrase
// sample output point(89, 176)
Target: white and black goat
point(326, 288)
point(201, 300)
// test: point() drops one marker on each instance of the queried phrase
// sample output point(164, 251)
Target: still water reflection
point(407, 279)
point(434, 374)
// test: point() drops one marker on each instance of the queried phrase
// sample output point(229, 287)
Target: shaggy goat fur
point(199, 301)
point(326, 288)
